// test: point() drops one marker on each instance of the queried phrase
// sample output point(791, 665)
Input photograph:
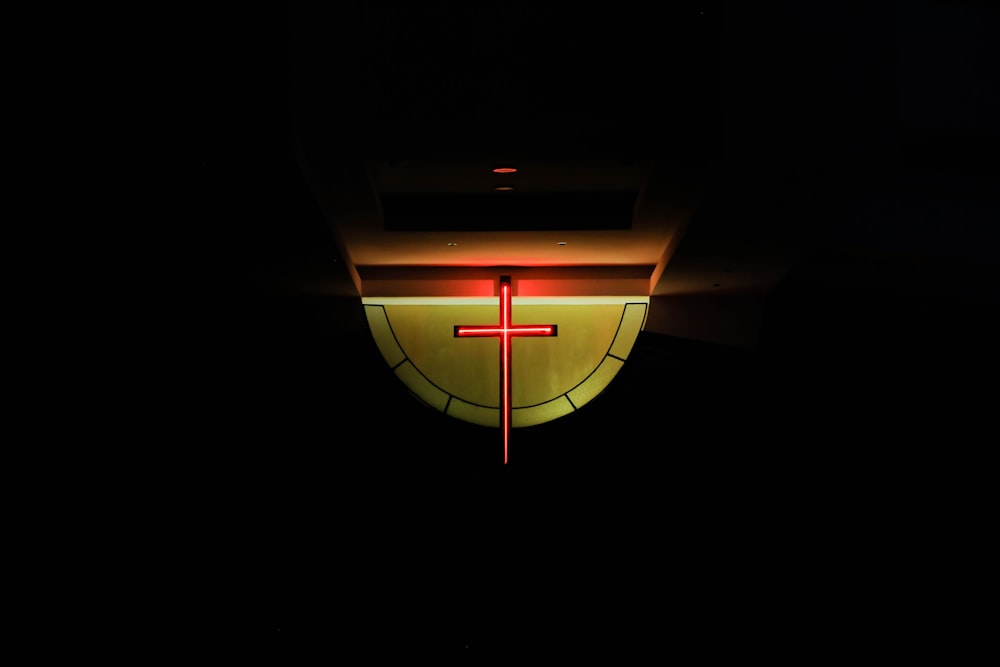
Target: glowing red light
point(505, 331)
point(505, 170)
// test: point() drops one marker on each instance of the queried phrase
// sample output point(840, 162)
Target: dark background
point(804, 497)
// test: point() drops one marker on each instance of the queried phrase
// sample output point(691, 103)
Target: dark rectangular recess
point(508, 211)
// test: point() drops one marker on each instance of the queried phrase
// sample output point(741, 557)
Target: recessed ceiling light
point(504, 188)
point(561, 243)
point(504, 170)
point(452, 243)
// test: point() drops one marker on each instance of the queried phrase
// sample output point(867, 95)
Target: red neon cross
point(505, 331)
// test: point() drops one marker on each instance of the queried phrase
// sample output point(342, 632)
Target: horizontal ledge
point(492, 301)
point(615, 272)
point(590, 281)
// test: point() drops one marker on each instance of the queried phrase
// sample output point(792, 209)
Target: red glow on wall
point(505, 170)
point(505, 332)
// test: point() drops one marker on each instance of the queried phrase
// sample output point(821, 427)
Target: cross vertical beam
point(505, 332)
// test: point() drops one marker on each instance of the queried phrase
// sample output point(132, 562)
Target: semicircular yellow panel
point(551, 376)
